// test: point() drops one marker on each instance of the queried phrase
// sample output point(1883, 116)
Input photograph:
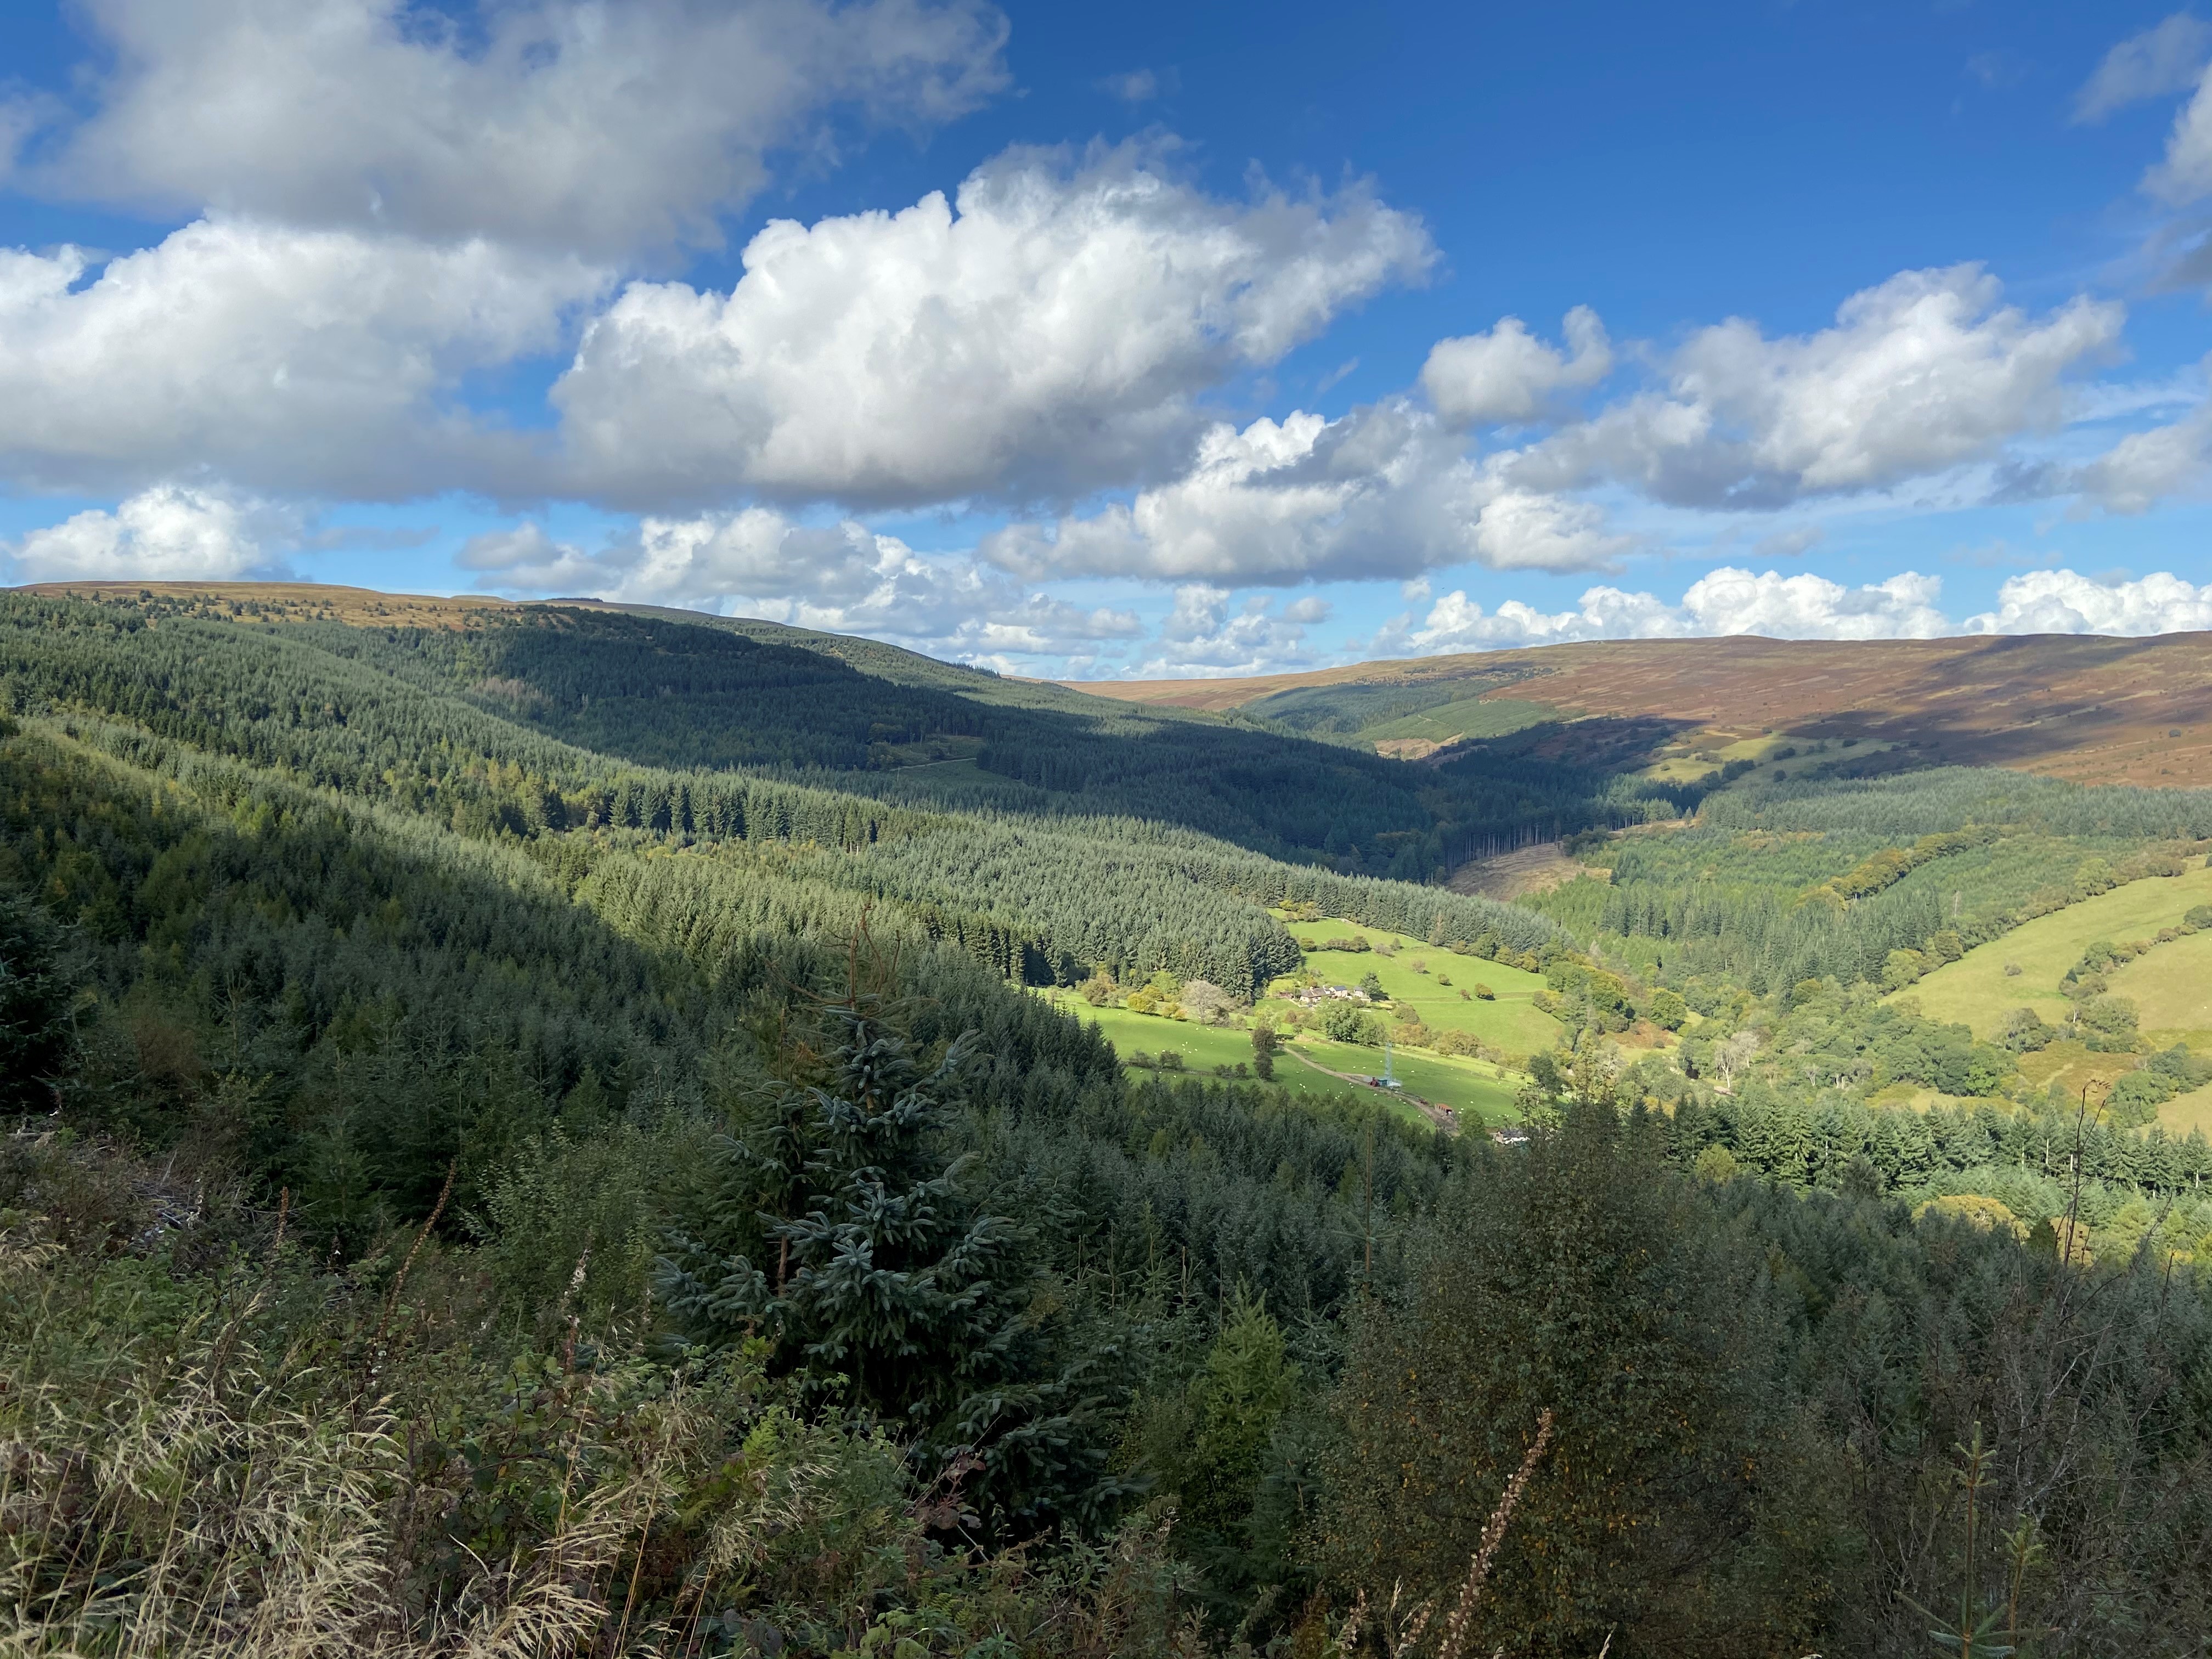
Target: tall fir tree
point(838, 1234)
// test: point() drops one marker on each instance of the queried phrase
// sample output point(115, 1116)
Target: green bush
point(1343, 1022)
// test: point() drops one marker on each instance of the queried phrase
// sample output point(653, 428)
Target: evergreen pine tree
point(36, 990)
point(837, 1233)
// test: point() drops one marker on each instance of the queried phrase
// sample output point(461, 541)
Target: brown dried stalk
point(1493, 1534)
point(1348, 1637)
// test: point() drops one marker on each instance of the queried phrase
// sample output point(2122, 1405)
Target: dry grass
point(273, 1457)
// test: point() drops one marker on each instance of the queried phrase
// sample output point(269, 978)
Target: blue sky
point(1137, 340)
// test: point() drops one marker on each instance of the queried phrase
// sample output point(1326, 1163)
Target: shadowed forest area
point(532, 1130)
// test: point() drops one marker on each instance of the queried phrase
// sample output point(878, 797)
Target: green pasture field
point(2072, 1066)
point(1760, 750)
point(2172, 989)
point(2185, 1112)
point(1202, 1047)
point(1205, 1047)
point(1511, 1022)
point(1473, 1088)
point(1976, 991)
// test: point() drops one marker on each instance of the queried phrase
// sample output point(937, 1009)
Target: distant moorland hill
point(2090, 709)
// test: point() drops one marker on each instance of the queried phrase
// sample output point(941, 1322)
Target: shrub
point(2025, 1032)
point(1716, 1164)
point(1575, 1276)
point(1341, 1022)
point(1482, 993)
point(2110, 1024)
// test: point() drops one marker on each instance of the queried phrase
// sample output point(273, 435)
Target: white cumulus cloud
point(1507, 374)
point(564, 124)
point(1730, 600)
point(1724, 601)
point(2145, 467)
point(168, 533)
point(1387, 492)
point(1924, 373)
point(1208, 635)
point(842, 578)
point(1043, 335)
point(321, 361)
point(2062, 602)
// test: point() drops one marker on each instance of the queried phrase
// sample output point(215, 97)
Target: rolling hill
point(2090, 709)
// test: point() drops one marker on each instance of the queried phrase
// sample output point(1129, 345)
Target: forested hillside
point(531, 1131)
point(702, 695)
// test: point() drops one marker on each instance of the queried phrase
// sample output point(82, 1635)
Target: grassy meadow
point(2185, 1112)
point(1469, 717)
point(2172, 989)
point(1468, 1085)
point(1976, 991)
point(1412, 974)
point(1473, 1088)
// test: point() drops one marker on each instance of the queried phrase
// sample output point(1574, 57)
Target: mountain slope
point(555, 725)
point(2092, 709)
point(684, 690)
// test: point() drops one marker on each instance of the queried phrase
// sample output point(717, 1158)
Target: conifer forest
point(573, 1131)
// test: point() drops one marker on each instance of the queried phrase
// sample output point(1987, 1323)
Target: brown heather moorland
point(2090, 709)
